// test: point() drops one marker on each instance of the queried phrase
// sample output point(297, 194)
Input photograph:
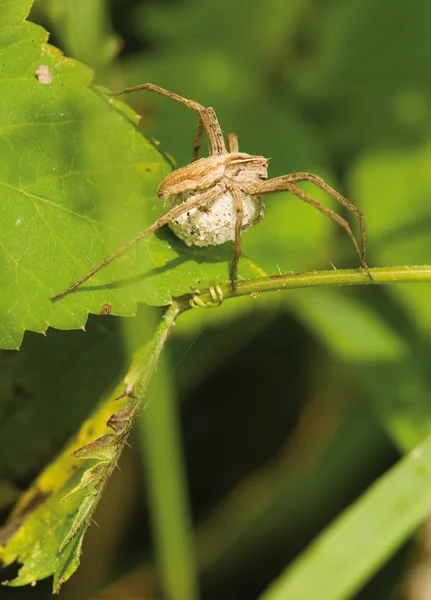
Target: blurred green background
point(290, 405)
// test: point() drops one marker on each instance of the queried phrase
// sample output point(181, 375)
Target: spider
point(214, 199)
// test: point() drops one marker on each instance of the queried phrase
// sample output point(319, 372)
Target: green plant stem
point(146, 359)
point(290, 281)
point(162, 449)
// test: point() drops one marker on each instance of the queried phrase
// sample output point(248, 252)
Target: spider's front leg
point(238, 206)
point(240, 226)
point(194, 202)
point(198, 140)
point(287, 183)
point(207, 118)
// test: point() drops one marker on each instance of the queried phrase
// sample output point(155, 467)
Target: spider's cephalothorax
point(213, 200)
point(213, 223)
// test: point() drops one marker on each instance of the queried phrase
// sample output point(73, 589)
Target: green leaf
point(350, 550)
point(41, 520)
point(76, 182)
point(14, 11)
point(49, 388)
point(46, 528)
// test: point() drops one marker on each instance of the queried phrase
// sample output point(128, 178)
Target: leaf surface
point(342, 558)
point(76, 182)
point(46, 529)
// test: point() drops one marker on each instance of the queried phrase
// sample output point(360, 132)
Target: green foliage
point(78, 181)
point(388, 512)
point(293, 404)
point(51, 387)
point(46, 530)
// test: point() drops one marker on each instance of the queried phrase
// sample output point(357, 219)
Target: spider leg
point(197, 141)
point(284, 183)
point(163, 220)
point(260, 214)
point(232, 142)
point(207, 115)
point(319, 182)
point(238, 205)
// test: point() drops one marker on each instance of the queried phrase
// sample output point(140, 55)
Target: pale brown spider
point(212, 200)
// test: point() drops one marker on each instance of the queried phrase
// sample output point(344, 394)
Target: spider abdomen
point(213, 225)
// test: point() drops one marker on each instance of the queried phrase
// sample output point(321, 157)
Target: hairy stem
point(289, 281)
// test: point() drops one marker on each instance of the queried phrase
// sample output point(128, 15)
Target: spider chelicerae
point(214, 199)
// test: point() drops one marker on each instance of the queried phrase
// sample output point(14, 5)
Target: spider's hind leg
point(320, 183)
point(286, 183)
